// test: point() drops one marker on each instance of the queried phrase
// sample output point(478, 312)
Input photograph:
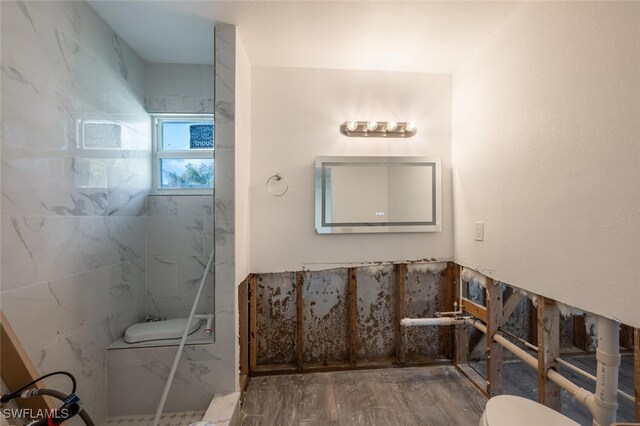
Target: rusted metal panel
point(376, 311)
point(423, 296)
point(276, 318)
point(325, 315)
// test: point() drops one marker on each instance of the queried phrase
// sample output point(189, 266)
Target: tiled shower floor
point(168, 419)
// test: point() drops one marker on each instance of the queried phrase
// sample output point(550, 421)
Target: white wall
point(546, 153)
point(295, 117)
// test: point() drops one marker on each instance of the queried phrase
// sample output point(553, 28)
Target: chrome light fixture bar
point(378, 129)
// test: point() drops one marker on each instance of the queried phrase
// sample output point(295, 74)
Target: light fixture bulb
point(372, 125)
point(391, 125)
point(410, 127)
point(352, 125)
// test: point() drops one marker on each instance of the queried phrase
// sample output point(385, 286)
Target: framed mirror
point(378, 194)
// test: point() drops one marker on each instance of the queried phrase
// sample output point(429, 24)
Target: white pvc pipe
point(570, 366)
point(172, 373)
point(603, 404)
point(580, 394)
point(608, 356)
point(208, 327)
point(413, 322)
point(576, 369)
point(449, 313)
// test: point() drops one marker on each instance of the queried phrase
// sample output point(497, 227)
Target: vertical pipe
point(608, 356)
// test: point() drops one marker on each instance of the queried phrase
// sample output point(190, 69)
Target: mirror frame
point(352, 228)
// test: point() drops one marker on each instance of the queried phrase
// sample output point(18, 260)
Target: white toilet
point(509, 410)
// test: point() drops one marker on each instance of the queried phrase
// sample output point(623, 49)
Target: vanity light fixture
point(378, 129)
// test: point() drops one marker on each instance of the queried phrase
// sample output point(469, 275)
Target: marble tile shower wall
point(180, 88)
point(75, 175)
point(205, 369)
point(179, 243)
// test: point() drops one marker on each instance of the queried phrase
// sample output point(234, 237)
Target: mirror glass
point(377, 194)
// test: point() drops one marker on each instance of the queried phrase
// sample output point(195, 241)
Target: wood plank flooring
point(435, 395)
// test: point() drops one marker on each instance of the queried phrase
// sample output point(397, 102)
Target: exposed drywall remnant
point(433, 267)
point(590, 322)
point(471, 276)
point(588, 337)
point(325, 315)
point(567, 311)
point(276, 318)
point(423, 293)
point(531, 296)
point(376, 312)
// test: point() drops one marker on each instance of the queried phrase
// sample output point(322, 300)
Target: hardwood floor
point(436, 395)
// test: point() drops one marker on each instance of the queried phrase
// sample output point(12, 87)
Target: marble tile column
point(224, 218)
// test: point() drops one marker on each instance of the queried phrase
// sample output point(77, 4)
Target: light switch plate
point(479, 231)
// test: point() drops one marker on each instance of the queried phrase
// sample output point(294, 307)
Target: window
point(183, 154)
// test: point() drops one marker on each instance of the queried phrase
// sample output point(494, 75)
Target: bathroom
point(534, 127)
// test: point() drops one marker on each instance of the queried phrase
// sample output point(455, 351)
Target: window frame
point(159, 153)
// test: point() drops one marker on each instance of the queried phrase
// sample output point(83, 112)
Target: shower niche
point(378, 194)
